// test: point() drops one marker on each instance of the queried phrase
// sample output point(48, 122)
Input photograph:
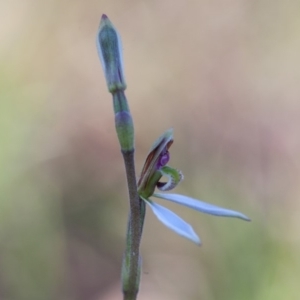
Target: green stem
point(131, 267)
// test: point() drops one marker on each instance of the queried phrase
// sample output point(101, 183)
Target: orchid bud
point(110, 53)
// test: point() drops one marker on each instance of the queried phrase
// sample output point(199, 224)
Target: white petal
point(174, 222)
point(202, 206)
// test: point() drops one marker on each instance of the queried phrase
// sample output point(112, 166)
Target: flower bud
point(110, 53)
point(123, 122)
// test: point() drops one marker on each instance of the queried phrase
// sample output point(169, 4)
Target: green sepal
point(150, 186)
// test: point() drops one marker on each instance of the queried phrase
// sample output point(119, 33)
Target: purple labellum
point(163, 159)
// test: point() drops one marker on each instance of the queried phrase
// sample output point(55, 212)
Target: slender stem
point(132, 256)
point(131, 267)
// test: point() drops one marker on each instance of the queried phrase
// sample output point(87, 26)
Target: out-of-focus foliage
point(223, 74)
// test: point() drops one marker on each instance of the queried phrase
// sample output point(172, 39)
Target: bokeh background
point(224, 74)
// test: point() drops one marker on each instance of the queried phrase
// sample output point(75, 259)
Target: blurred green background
point(224, 74)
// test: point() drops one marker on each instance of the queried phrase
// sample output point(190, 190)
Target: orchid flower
point(155, 167)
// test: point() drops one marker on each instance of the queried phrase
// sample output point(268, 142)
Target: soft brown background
point(224, 74)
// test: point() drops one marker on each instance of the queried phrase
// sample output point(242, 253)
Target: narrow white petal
point(202, 206)
point(174, 222)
